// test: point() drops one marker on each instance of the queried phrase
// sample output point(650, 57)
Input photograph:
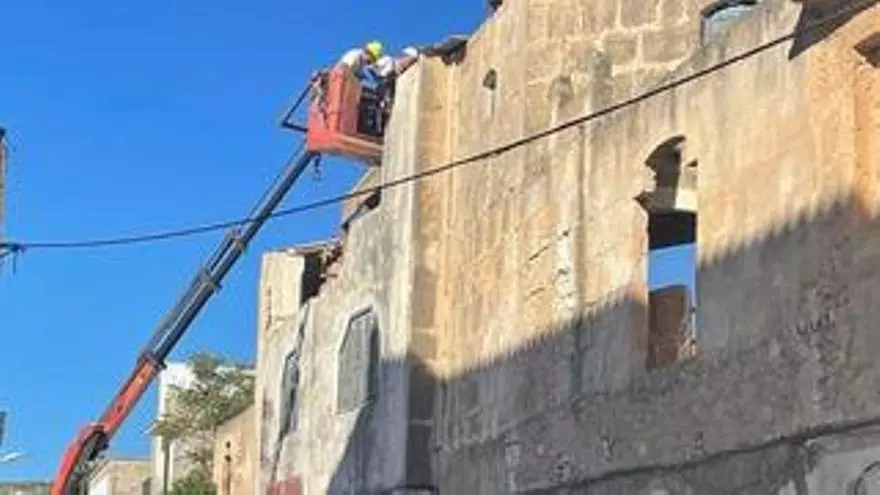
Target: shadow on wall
point(553, 416)
point(817, 10)
point(534, 421)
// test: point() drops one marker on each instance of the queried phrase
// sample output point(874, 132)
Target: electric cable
point(490, 153)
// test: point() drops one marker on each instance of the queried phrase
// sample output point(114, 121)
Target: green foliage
point(194, 483)
point(220, 391)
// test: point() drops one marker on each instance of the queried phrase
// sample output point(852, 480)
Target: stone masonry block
point(673, 12)
point(543, 60)
point(582, 56)
point(538, 21)
point(634, 13)
point(668, 45)
point(621, 47)
point(597, 17)
point(564, 20)
point(647, 78)
point(623, 86)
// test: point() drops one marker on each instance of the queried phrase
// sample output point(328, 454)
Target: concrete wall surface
point(171, 457)
point(121, 477)
point(521, 346)
point(235, 455)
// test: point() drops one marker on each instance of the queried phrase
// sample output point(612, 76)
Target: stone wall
point(523, 256)
point(171, 456)
point(544, 358)
point(235, 455)
point(311, 441)
point(516, 352)
point(121, 477)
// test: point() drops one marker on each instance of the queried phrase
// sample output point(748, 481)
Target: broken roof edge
point(309, 247)
point(362, 180)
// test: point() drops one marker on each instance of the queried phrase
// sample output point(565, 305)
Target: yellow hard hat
point(374, 50)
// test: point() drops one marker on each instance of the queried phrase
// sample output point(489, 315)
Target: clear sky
point(128, 117)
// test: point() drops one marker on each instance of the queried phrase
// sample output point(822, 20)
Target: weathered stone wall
point(235, 455)
point(545, 359)
point(516, 258)
point(369, 180)
point(121, 477)
point(512, 293)
point(328, 448)
point(24, 488)
point(540, 237)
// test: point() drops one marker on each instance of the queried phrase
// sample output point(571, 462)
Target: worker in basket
point(357, 60)
point(359, 63)
point(377, 74)
point(386, 71)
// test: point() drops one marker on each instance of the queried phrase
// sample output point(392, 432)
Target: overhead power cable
point(17, 246)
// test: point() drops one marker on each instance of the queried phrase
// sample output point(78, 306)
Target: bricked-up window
point(670, 202)
point(358, 362)
point(720, 15)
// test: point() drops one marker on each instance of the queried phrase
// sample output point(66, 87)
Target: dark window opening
point(490, 84)
point(869, 48)
point(371, 119)
point(358, 362)
point(490, 80)
point(312, 277)
point(290, 386)
point(671, 205)
point(720, 15)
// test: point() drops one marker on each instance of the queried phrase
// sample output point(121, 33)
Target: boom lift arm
point(94, 439)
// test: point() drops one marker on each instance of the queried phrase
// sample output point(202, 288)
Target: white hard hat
point(411, 51)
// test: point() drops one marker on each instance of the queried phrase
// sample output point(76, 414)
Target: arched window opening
point(670, 201)
point(490, 85)
point(720, 15)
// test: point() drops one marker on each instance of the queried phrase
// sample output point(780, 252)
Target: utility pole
point(4, 250)
point(2, 180)
point(2, 426)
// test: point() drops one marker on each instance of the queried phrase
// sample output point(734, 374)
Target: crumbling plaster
point(512, 292)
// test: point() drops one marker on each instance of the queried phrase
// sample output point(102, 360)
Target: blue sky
point(130, 117)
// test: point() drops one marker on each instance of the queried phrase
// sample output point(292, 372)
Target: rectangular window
point(358, 362)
